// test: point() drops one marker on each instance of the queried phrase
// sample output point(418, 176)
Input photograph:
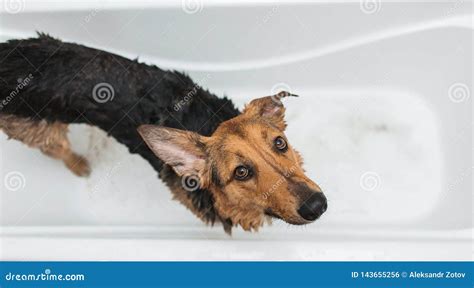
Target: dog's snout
point(313, 207)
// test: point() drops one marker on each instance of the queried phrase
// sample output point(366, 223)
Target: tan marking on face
point(249, 142)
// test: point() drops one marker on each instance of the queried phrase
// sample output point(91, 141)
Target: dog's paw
point(78, 165)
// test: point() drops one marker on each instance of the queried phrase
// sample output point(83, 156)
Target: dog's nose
point(313, 207)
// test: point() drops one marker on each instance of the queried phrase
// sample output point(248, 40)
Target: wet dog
point(227, 166)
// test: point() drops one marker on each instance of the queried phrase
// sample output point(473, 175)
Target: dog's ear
point(270, 108)
point(183, 150)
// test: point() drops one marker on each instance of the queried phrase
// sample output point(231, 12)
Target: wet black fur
point(64, 75)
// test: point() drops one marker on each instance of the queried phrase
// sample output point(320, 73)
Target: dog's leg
point(57, 145)
point(50, 138)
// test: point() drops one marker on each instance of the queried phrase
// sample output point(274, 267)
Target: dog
point(225, 165)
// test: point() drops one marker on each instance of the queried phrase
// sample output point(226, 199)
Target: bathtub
point(383, 121)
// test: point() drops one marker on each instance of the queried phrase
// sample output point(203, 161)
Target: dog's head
point(247, 164)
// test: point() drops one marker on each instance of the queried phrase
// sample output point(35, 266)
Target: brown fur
point(245, 202)
point(50, 138)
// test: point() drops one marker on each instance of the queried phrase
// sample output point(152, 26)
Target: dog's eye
point(280, 144)
point(242, 173)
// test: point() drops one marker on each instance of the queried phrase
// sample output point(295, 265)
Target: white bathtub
point(384, 123)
